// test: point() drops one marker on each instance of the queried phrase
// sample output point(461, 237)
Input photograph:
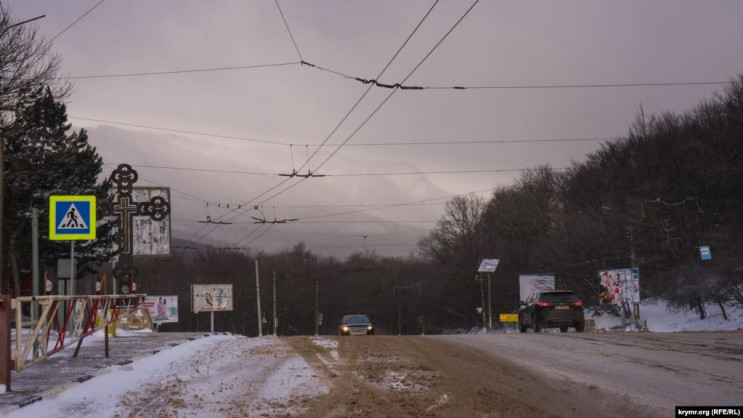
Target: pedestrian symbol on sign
point(72, 220)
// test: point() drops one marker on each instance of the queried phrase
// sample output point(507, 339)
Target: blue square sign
point(705, 252)
point(72, 218)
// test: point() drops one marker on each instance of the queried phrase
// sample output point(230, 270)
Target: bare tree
point(27, 68)
point(26, 65)
point(456, 237)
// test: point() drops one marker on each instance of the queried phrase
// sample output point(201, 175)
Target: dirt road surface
point(525, 375)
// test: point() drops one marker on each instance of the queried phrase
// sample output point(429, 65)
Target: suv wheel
point(536, 325)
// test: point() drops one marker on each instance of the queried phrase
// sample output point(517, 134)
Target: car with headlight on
point(552, 309)
point(355, 325)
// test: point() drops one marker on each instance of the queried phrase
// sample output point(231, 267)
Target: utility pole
point(275, 319)
point(34, 260)
point(317, 303)
point(399, 315)
point(633, 261)
point(258, 299)
point(490, 307)
point(482, 297)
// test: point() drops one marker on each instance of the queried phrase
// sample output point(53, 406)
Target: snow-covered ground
point(198, 378)
point(660, 319)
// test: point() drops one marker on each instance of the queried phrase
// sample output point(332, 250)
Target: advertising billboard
point(162, 309)
point(211, 297)
point(620, 286)
point(529, 283)
point(150, 237)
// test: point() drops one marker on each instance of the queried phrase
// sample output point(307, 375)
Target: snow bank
point(659, 319)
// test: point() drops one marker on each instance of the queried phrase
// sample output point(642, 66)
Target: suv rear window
point(558, 297)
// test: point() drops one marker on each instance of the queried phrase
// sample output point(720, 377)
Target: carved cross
point(125, 212)
point(157, 208)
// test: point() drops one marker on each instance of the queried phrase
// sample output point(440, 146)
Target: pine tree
point(43, 159)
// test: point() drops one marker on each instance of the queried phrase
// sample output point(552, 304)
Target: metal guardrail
point(64, 320)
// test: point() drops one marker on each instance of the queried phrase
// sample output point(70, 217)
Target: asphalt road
point(645, 371)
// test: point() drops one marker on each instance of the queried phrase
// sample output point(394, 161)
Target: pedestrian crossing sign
point(72, 218)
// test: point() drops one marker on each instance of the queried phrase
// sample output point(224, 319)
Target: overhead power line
point(256, 238)
point(197, 70)
point(577, 86)
point(420, 23)
point(374, 112)
point(289, 30)
point(355, 105)
point(191, 197)
point(420, 173)
point(446, 35)
point(394, 205)
point(76, 20)
point(389, 143)
point(392, 173)
point(180, 131)
point(367, 222)
point(204, 170)
point(481, 142)
point(376, 83)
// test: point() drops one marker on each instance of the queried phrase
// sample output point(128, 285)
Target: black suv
point(551, 309)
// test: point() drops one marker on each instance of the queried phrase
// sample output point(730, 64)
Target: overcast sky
point(281, 102)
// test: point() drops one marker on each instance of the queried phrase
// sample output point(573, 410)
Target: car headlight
point(370, 327)
point(345, 329)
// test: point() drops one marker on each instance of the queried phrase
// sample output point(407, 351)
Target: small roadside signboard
point(488, 265)
point(705, 253)
point(505, 317)
point(72, 218)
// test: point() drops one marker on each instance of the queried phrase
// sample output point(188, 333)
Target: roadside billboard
point(162, 309)
point(529, 283)
point(211, 297)
point(620, 286)
point(150, 237)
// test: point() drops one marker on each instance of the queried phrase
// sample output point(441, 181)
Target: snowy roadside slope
point(220, 375)
point(660, 319)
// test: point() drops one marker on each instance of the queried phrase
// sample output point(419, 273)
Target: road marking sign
point(72, 218)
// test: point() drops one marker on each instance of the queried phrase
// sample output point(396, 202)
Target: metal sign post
point(72, 218)
point(488, 265)
point(72, 267)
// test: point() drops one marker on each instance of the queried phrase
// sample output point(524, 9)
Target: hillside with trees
point(648, 201)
